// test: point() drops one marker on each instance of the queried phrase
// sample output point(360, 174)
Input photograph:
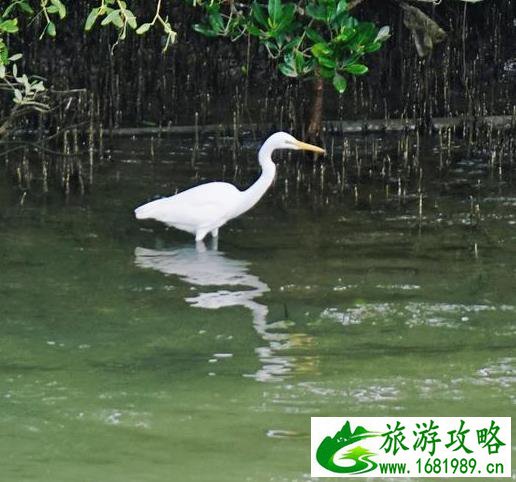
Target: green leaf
point(61, 9)
point(272, 47)
point(144, 28)
point(253, 30)
point(287, 16)
point(317, 12)
point(9, 26)
point(130, 18)
point(373, 47)
point(15, 57)
point(330, 10)
point(345, 35)
point(51, 29)
point(293, 44)
point(327, 62)
point(168, 28)
point(383, 34)
point(114, 18)
point(274, 7)
point(314, 35)
point(287, 70)
point(321, 49)
point(366, 32)
point(92, 18)
point(198, 27)
point(290, 60)
point(4, 54)
point(327, 73)
point(259, 14)
point(310, 66)
point(323, 53)
point(118, 21)
point(24, 6)
point(216, 22)
point(340, 83)
point(300, 61)
point(21, 4)
point(356, 69)
point(342, 7)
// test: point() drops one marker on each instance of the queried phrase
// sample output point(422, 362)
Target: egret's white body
point(204, 209)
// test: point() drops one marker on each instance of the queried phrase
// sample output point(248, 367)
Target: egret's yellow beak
point(310, 147)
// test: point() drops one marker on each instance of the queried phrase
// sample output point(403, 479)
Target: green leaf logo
point(359, 457)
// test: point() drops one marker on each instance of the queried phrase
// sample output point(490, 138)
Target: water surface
point(127, 354)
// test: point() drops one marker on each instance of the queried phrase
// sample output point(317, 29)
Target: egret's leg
point(200, 247)
point(200, 235)
point(215, 232)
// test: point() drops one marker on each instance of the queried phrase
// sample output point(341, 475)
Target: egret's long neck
point(252, 195)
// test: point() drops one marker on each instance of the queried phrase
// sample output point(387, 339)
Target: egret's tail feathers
point(144, 212)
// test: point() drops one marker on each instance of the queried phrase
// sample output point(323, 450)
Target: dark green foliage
point(315, 37)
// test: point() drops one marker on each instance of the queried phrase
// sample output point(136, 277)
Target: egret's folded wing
point(194, 207)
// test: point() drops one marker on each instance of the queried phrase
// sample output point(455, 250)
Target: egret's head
point(282, 140)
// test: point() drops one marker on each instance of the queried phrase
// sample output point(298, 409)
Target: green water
point(127, 355)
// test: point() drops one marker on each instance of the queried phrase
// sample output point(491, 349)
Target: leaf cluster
point(117, 14)
point(314, 37)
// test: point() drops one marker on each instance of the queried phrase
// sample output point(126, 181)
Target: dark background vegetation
point(134, 84)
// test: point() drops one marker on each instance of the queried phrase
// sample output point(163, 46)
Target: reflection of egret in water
point(211, 268)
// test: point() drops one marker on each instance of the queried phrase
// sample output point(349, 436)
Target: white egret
point(204, 209)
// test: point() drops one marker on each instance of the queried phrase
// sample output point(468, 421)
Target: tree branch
point(353, 3)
